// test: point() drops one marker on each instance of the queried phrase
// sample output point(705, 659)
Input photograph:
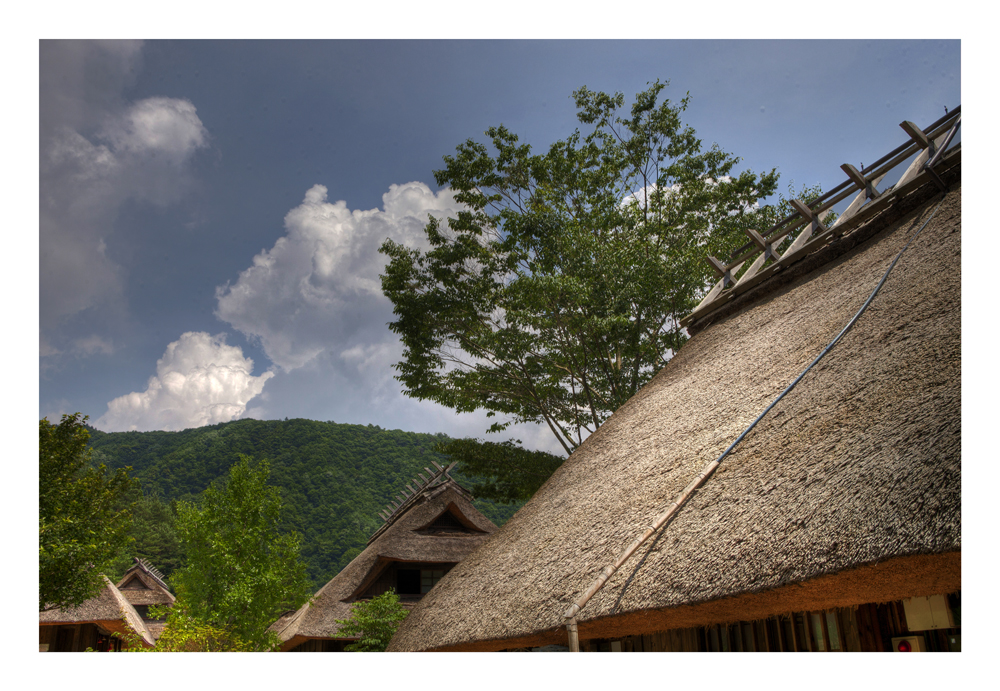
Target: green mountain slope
point(334, 478)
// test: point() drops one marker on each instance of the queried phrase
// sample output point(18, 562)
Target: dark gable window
point(408, 581)
point(429, 578)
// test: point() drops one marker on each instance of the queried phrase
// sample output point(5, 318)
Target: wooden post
point(574, 636)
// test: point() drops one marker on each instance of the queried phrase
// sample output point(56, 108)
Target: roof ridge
point(152, 571)
point(770, 249)
point(423, 485)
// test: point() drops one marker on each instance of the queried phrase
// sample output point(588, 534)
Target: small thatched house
point(143, 586)
point(101, 623)
point(835, 524)
point(432, 528)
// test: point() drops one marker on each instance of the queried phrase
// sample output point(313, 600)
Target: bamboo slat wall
point(866, 628)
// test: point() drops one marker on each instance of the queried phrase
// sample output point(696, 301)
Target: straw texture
point(848, 492)
point(140, 586)
point(106, 610)
point(401, 540)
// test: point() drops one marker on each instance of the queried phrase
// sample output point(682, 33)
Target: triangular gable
point(451, 520)
point(419, 489)
point(133, 582)
point(142, 585)
point(395, 544)
point(143, 576)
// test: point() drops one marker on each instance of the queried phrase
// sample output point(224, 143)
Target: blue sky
point(209, 203)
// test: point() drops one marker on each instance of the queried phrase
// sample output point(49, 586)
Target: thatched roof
point(144, 585)
point(107, 610)
point(848, 491)
point(403, 538)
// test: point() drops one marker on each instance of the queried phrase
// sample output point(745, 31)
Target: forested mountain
point(334, 478)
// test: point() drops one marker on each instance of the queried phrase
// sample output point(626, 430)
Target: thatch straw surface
point(853, 478)
point(153, 590)
point(399, 541)
point(107, 609)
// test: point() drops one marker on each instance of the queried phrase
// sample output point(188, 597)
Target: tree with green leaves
point(183, 634)
point(153, 536)
point(83, 524)
point(502, 471)
point(557, 292)
point(374, 622)
point(241, 573)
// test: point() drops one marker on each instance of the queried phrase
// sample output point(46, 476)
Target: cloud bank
point(98, 151)
point(314, 303)
point(199, 381)
point(318, 289)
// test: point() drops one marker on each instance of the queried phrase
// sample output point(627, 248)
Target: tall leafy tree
point(153, 536)
point(83, 523)
point(557, 291)
point(241, 572)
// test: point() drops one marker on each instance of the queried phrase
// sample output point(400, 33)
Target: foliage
point(556, 293)
point(504, 471)
point(375, 621)
point(153, 536)
point(82, 525)
point(241, 573)
point(186, 634)
point(334, 478)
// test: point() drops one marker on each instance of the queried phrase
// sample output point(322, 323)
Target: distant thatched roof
point(106, 610)
point(849, 491)
point(403, 538)
point(144, 585)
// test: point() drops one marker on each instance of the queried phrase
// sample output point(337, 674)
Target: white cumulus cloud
point(199, 381)
point(314, 303)
point(318, 289)
point(158, 126)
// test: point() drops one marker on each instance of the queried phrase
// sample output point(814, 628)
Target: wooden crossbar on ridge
point(930, 145)
point(151, 570)
point(419, 484)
